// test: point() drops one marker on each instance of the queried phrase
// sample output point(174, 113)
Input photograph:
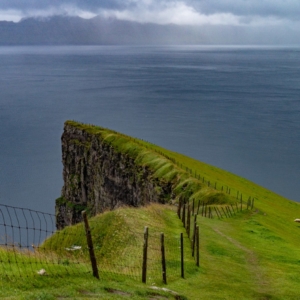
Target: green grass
point(253, 255)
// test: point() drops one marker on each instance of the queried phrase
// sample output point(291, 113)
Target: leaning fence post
point(163, 258)
point(182, 256)
point(145, 249)
point(224, 212)
point(232, 208)
point(90, 245)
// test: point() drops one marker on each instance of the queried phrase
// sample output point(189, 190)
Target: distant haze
point(71, 30)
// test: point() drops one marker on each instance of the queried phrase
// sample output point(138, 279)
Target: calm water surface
point(237, 108)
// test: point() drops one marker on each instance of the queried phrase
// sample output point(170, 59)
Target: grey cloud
point(277, 8)
point(44, 4)
point(282, 9)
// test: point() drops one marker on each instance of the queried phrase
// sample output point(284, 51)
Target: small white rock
point(165, 290)
point(42, 272)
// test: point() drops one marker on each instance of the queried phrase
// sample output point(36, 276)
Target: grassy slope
point(254, 255)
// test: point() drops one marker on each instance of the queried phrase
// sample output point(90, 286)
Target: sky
point(255, 13)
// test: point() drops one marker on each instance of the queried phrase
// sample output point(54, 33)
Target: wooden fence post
point(217, 212)
point(224, 212)
point(145, 250)
point(197, 247)
point(228, 211)
point(193, 211)
point(188, 222)
point(194, 236)
point(232, 208)
point(90, 245)
point(199, 202)
point(179, 209)
point(163, 258)
point(182, 255)
point(183, 215)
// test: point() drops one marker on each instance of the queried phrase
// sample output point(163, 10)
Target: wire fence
point(23, 253)
point(239, 195)
point(31, 246)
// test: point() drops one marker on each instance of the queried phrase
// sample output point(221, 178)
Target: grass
point(253, 255)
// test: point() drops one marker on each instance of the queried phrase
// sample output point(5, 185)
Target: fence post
point(145, 249)
point(224, 212)
point(179, 208)
point(194, 235)
point(217, 212)
point(220, 213)
point(252, 204)
point(182, 256)
point(228, 211)
point(90, 245)
point(197, 247)
point(188, 222)
point(183, 215)
point(163, 258)
point(193, 207)
point(198, 207)
point(232, 208)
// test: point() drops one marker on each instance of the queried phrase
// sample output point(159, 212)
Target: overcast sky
point(187, 12)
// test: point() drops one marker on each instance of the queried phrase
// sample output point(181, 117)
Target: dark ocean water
point(237, 108)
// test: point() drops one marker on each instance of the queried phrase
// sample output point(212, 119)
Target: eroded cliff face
point(98, 177)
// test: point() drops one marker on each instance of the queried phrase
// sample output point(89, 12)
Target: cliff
point(103, 169)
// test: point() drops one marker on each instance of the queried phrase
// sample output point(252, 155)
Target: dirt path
point(253, 264)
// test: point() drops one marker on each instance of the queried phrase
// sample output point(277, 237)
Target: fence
point(215, 185)
point(187, 208)
point(31, 246)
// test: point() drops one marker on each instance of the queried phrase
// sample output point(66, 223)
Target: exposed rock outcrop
point(98, 177)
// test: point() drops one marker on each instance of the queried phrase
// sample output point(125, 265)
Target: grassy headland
point(253, 255)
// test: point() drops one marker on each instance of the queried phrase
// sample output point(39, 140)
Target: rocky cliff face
point(98, 177)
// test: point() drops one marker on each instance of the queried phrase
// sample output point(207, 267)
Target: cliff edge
point(103, 169)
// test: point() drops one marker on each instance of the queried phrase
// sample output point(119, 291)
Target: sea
point(234, 107)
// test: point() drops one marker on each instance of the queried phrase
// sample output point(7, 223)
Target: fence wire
point(30, 246)
point(24, 250)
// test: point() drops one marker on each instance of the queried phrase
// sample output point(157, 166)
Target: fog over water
point(236, 108)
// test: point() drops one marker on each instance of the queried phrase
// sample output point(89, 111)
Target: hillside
point(249, 254)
